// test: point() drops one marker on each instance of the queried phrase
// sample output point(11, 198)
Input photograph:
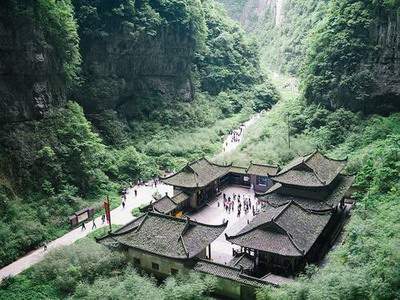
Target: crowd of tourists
point(242, 204)
point(236, 134)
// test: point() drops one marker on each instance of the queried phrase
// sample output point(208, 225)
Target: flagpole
point(108, 213)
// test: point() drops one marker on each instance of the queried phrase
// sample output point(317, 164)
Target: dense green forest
point(341, 52)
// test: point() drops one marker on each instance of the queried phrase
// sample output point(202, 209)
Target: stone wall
point(165, 264)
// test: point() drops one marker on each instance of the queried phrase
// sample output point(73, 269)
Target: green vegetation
point(284, 47)
point(53, 167)
point(55, 19)
point(326, 44)
point(333, 71)
point(229, 60)
point(234, 8)
point(63, 170)
point(87, 270)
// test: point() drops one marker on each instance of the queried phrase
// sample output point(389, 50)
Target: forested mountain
point(95, 94)
point(343, 64)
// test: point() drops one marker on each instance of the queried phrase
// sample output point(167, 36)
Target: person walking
point(93, 224)
point(135, 191)
point(103, 219)
point(123, 204)
point(83, 227)
point(44, 246)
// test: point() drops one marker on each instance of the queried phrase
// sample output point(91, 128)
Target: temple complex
point(298, 213)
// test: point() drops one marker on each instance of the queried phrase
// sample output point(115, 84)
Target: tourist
point(103, 219)
point(83, 227)
point(135, 191)
point(93, 224)
point(123, 204)
point(44, 246)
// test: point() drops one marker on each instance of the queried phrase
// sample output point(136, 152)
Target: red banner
point(106, 205)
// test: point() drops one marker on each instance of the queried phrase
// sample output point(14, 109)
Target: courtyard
point(214, 213)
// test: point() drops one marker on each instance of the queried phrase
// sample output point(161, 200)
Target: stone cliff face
point(385, 62)
point(256, 12)
point(31, 79)
point(122, 72)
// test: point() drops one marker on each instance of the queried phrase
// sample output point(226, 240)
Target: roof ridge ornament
point(141, 223)
point(318, 177)
point(184, 246)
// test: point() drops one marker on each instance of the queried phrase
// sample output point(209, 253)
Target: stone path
point(230, 145)
point(121, 216)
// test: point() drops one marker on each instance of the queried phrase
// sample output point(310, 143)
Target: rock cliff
point(253, 13)
point(120, 70)
point(31, 79)
point(127, 67)
point(384, 62)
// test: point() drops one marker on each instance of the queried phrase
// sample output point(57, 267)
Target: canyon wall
point(252, 14)
point(384, 62)
point(31, 75)
point(129, 66)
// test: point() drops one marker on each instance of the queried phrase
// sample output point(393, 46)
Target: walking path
point(119, 215)
point(236, 137)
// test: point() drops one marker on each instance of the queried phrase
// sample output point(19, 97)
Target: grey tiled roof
point(341, 189)
point(243, 260)
point(262, 169)
point(165, 235)
point(313, 170)
point(289, 230)
point(227, 272)
point(276, 279)
point(197, 174)
point(180, 197)
point(238, 170)
point(275, 197)
point(164, 205)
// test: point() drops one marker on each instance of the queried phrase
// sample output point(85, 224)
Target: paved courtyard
point(221, 249)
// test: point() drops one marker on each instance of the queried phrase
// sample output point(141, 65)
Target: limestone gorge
point(199, 149)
